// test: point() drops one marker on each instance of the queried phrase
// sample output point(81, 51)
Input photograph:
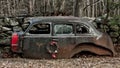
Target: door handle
point(55, 39)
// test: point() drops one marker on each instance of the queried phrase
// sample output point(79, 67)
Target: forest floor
point(81, 62)
point(93, 62)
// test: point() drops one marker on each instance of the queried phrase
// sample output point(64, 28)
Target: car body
point(60, 37)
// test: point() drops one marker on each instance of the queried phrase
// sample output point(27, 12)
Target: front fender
point(101, 46)
point(106, 42)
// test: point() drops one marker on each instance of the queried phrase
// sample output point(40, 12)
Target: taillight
point(14, 42)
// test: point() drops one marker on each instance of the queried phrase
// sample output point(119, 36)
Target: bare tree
point(90, 8)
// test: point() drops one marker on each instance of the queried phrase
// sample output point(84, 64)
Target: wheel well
point(92, 49)
point(84, 54)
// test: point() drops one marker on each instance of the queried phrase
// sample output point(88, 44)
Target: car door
point(65, 36)
point(36, 39)
point(84, 33)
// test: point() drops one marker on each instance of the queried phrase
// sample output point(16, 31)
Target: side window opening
point(82, 29)
point(41, 28)
point(63, 29)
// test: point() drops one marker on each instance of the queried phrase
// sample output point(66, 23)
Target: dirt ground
point(81, 62)
point(93, 62)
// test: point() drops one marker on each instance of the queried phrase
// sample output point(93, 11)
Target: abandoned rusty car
point(60, 37)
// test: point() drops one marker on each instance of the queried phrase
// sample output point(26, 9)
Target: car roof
point(56, 19)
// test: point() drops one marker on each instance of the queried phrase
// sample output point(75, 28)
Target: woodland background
point(89, 8)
